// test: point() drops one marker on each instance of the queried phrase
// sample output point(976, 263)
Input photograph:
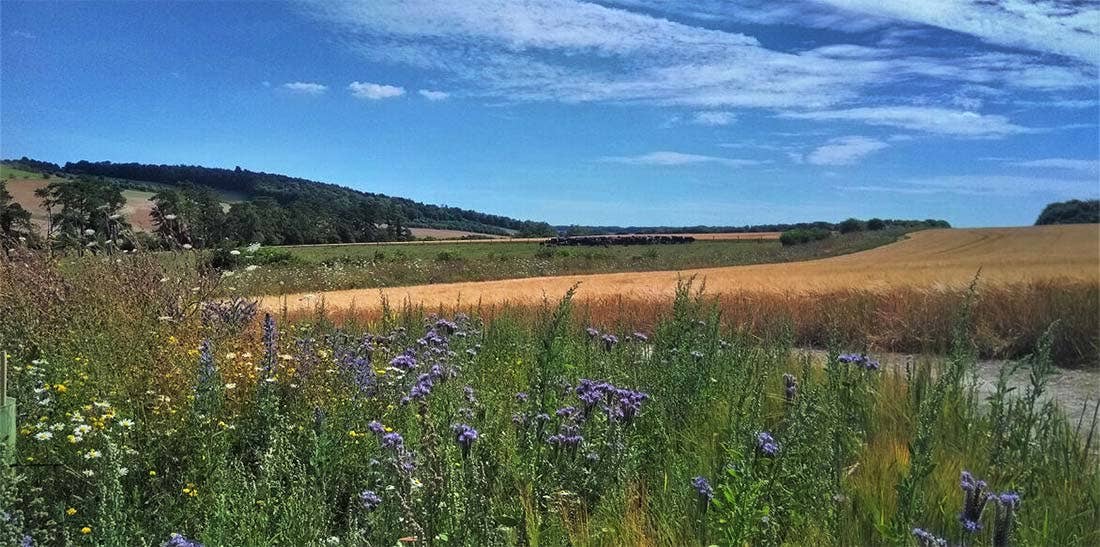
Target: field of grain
point(925, 259)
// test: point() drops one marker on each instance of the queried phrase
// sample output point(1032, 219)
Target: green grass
point(188, 423)
point(336, 267)
point(7, 172)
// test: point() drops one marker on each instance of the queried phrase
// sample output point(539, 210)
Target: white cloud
point(844, 150)
point(714, 117)
point(989, 185)
point(1062, 27)
point(305, 88)
point(576, 52)
point(367, 90)
point(939, 121)
point(668, 158)
point(1067, 164)
point(434, 95)
point(23, 34)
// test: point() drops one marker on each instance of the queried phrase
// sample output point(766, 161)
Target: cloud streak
point(374, 92)
point(304, 88)
point(933, 120)
point(844, 150)
point(667, 158)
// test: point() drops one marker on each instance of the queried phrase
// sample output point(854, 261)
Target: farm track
point(927, 259)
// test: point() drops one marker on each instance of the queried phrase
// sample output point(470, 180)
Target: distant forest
point(84, 210)
point(268, 208)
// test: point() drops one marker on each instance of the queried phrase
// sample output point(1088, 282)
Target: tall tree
point(15, 221)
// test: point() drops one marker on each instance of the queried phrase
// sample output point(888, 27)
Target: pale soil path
point(946, 257)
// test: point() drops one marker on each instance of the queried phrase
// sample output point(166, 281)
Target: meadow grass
point(144, 412)
point(336, 267)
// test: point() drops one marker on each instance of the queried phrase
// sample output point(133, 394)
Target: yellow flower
point(70, 511)
point(61, 388)
point(172, 340)
point(152, 473)
point(86, 530)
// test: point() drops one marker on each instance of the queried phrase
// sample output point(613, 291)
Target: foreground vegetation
point(307, 269)
point(148, 417)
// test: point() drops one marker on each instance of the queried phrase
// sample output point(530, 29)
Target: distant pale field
point(453, 236)
point(928, 258)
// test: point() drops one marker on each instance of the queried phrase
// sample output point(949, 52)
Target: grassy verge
point(141, 416)
point(323, 268)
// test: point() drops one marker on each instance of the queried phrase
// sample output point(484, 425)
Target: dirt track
point(927, 259)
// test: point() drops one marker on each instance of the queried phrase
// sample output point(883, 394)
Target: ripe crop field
point(924, 259)
point(898, 297)
point(149, 414)
point(331, 267)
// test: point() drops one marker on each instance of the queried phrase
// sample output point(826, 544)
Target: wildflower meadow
point(152, 413)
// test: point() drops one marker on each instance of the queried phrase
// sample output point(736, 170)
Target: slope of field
point(925, 259)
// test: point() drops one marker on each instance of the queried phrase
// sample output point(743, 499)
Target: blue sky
point(638, 112)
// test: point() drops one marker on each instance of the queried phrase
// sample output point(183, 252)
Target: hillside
point(329, 206)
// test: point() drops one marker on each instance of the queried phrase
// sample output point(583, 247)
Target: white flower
point(89, 232)
point(92, 454)
point(253, 248)
point(126, 422)
point(250, 267)
point(115, 216)
point(415, 484)
point(88, 473)
point(43, 436)
point(187, 246)
point(123, 471)
point(235, 252)
point(230, 385)
point(103, 404)
point(81, 429)
point(169, 217)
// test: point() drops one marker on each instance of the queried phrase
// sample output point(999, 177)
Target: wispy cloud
point(304, 88)
point(940, 121)
point(713, 117)
point(668, 158)
point(1067, 164)
point(374, 92)
point(23, 34)
point(1062, 27)
point(988, 185)
point(844, 150)
point(434, 95)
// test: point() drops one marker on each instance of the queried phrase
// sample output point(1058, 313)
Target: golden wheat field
point(928, 259)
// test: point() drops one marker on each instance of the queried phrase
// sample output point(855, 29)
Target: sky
point(619, 112)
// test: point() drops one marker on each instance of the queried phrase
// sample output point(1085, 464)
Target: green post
point(7, 409)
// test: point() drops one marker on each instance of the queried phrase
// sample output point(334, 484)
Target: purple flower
point(641, 337)
point(565, 412)
point(446, 326)
point(592, 332)
point(703, 488)
point(860, 359)
point(376, 427)
point(270, 339)
point(975, 501)
point(27, 541)
point(468, 393)
point(370, 500)
point(1005, 517)
point(405, 361)
point(393, 440)
point(927, 539)
point(521, 397)
point(766, 444)
point(697, 354)
point(465, 437)
point(178, 540)
point(609, 341)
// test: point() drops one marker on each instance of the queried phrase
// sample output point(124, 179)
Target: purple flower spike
point(370, 500)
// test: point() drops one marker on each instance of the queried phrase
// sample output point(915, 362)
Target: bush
point(1074, 211)
point(876, 224)
point(849, 226)
point(803, 235)
point(225, 259)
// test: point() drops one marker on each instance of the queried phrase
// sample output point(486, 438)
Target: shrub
point(849, 226)
point(799, 236)
point(1074, 211)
